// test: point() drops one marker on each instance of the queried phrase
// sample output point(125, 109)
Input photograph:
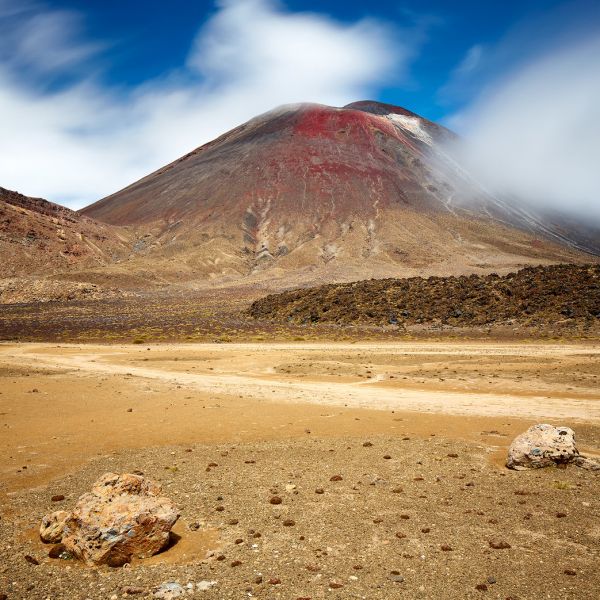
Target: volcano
point(309, 193)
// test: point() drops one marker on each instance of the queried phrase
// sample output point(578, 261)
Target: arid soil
point(534, 296)
point(417, 432)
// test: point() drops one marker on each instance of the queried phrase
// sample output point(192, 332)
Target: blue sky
point(147, 38)
point(95, 94)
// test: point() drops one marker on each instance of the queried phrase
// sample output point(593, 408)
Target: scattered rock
point(396, 578)
point(542, 446)
point(52, 526)
point(336, 585)
point(131, 590)
point(275, 500)
point(446, 548)
point(499, 544)
point(336, 478)
point(482, 587)
point(57, 498)
point(319, 491)
point(169, 590)
point(570, 572)
point(124, 516)
point(289, 523)
point(31, 560)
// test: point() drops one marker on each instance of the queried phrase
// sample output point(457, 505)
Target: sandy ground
point(302, 412)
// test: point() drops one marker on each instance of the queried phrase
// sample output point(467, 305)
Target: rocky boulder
point(542, 446)
point(124, 516)
point(52, 526)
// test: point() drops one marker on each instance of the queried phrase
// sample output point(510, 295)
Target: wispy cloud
point(86, 140)
point(533, 133)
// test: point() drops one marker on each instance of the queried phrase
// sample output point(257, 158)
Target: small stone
point(561, 515)
point(221, 557)
point(274, 581)
point(220, 508)
point(239, 541)
point(397, 490)
point(482, 587)
point(275, 500)
point(452, 455)
point(405, 517)
point(400, 535)
point(130, 410)
point(258, 579)
point(319, 491)
point(335, 585)
point(491, 580)
point(387, 457)
point(232, 522)
point(289, 523)
point(194, 526)
point(367, 444)
point(336, 478)
point(570, 572)
point(446, 548)
point(236, 563)
point(31, 560)
point(396, 578)
point(3, 596)
point(57, 498)
point(131, 590)
point(499, 544)
point(425, 530)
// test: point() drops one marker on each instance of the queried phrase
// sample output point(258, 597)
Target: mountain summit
point(310, 192)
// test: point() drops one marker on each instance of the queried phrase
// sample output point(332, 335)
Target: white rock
point(542, 446)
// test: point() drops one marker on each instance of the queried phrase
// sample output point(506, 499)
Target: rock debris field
point(306, 471)
point(357, 518)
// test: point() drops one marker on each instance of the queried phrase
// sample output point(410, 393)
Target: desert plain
point(388, 458)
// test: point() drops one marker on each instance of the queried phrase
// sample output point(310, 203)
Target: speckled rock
point(542, 446)
point(124, 516)
point(52, 526)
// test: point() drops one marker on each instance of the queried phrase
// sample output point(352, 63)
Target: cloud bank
point(73, 139)
point(534, 133)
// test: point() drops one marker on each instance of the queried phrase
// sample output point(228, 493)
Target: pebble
point(275, 500)
point(57, 498)
point(194, 526)
point(289, 523)
point(131, 590)
point(387, 456)
point(397, 490)
point(274, 581)
point(400, 535)
point(396, 578)
point(367, 444)
point(491, 580)
point(319, 491)
point(31, 560)
point(336, 478)
point(335, 585)
point(499, 544)
point(570, 572)
point(482, 587)
point(446, 548)
point(236, 563)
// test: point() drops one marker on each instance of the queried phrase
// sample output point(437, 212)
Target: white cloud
point(535, 133)
point(88, 140)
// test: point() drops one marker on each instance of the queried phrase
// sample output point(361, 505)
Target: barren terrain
point(417, 431)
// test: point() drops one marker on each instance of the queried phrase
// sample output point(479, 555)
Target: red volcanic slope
point(307, 185)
